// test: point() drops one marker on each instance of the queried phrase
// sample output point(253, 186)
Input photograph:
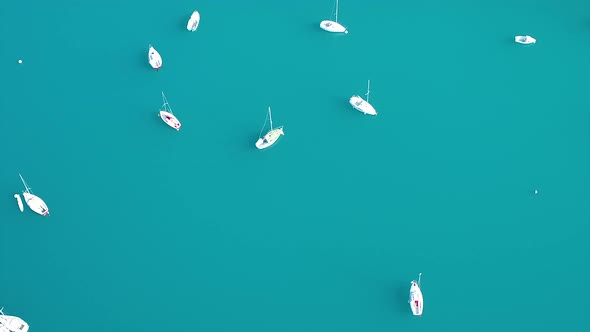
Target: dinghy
point(167, 116)
point(416, 301)
point(362, 105)
point(333, 26)
point(193, 22)
point(12, 323)
point(271, 136)
point(34, 202)
point(154, 58)
point(525, 40)
point(20, 202)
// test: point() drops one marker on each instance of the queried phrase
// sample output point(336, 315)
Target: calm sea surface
point(153, 229)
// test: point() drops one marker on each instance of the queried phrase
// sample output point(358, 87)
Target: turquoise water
point(196, 230)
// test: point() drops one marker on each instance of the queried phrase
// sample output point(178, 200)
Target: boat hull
point(416, 300)
point(362, 105)
point(36, 204)
point(170, 120)
point(332, 26)
point(20, 202)
point(154, 58)
point(13, 323)
point(193, 22)
point(270, 138)
point(525, 40)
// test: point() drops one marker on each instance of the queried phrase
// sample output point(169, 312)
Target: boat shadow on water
point(144, 60)
point(398, 297)
point(160, 123)
point(242, 140)
point(182, 24)
point(315, 26)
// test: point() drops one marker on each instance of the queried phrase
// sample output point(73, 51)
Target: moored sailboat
point(154, 58)
point(416, 300)
point(167, 116)
point(362, 105)
point(271, 136)
point(34, 202)
point(193, 21)
point(333, 26)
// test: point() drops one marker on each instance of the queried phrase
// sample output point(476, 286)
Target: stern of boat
point(260, 144)
point(13, 323)
point(353, 100)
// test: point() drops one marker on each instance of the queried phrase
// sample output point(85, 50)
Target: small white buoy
point(20, 61)
point(536, 191)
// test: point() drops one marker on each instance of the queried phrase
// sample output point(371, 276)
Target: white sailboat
point(525, 40)
point(34, 202)
point(20, 202)
point(167, 116)
point(12, 323)
point(193, 22)
point(154, 58)
point(361, 105)
point(416, 300)
point(271, 136)
point(333, 26)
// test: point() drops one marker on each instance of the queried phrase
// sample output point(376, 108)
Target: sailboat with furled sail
point(362, 105)
point(416, 300)
point(167, 116)
point(154, 58)
point(271, 136)
point(34, 202)
point(193, 21)
point(333, 26)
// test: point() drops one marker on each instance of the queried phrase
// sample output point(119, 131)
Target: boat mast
point(167, 109)
point(24, 183)
point(336, 11)
point(419, 277)
point(264, 125)
point(270, 117)
point(368, 89)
